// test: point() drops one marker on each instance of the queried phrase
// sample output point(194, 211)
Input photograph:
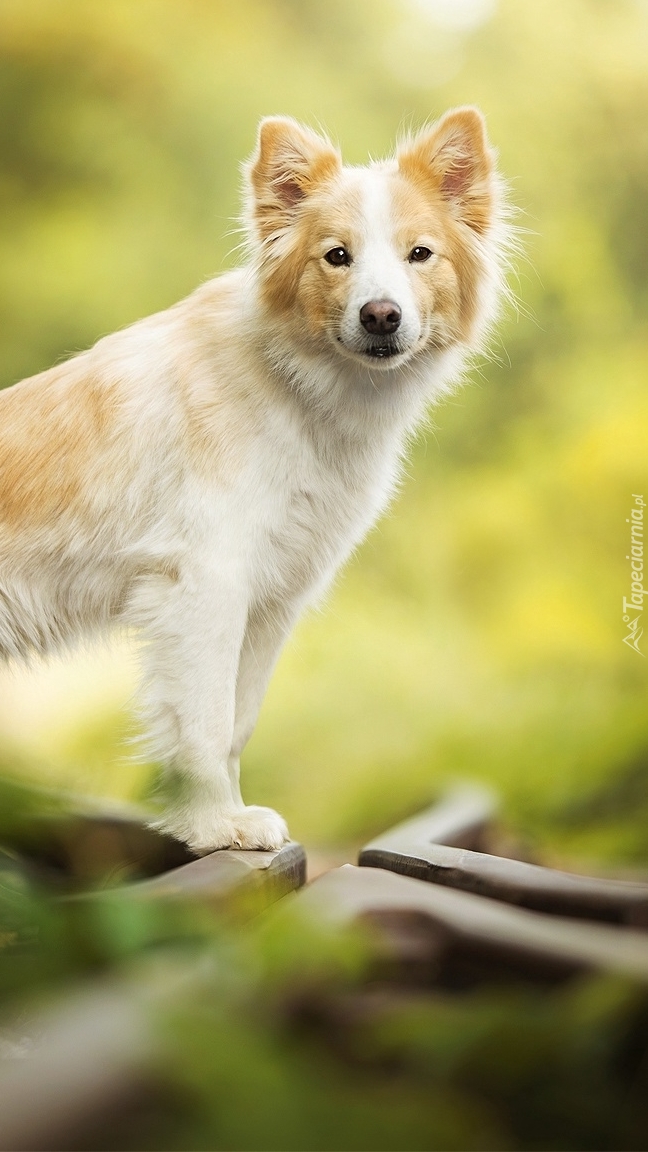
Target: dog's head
point(381, 262)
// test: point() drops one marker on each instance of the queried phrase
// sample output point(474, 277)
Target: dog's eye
point(337, 257)
point(419, 254)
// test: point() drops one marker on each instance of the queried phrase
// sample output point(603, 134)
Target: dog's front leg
point(265, 634)
point(195, 627)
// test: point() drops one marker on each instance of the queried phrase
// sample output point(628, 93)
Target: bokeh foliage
point(479, 630)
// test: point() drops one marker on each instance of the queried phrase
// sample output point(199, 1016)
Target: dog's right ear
point(289, 162)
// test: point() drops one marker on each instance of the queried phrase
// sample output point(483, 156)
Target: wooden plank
point(512, 936)
point(459, 818)
point(95, 842)
point(420, 848)
point(229, 876)
point(102, 841)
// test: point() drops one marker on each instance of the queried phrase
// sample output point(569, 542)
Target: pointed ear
point(289, 162)
point(454, 156)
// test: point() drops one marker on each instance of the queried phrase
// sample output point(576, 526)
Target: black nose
point(380, 317)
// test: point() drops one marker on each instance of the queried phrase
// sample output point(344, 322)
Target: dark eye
point(337, 257)
point(419, 254)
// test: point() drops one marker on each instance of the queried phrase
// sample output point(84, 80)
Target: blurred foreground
point(370, 1011)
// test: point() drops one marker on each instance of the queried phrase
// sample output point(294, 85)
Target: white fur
point(237, 471)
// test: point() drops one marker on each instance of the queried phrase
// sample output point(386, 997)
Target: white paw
point(251, 827)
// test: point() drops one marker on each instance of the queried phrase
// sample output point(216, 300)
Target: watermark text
point(633, 605)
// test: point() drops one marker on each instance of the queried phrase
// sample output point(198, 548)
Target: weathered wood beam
point(475, 923)
point(429, 848)
point(228, 876)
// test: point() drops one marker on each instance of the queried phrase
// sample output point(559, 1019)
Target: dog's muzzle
point(381, 319)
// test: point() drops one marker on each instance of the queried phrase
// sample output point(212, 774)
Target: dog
point(202, 475)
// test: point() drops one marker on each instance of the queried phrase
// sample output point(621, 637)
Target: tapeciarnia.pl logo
point(634, 605)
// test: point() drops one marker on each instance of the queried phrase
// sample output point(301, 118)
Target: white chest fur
point(297, 507)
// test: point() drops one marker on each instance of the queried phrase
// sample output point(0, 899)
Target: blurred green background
point(479, 630)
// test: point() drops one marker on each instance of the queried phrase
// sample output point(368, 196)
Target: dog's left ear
point(289, 162)
point(454, 156)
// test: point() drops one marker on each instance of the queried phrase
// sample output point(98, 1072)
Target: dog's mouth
point(383, 349)
point(376, 350)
